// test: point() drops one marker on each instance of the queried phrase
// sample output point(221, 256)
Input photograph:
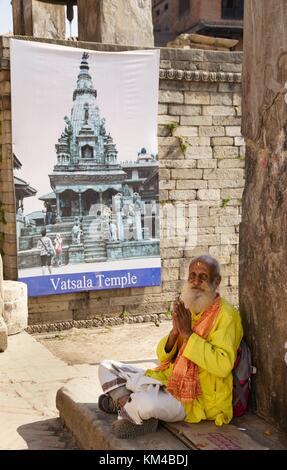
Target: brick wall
point(169, 19)
point(200, 92)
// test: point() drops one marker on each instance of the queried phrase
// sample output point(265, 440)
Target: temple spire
point(84, 82)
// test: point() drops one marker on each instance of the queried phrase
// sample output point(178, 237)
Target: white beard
point(196, 300)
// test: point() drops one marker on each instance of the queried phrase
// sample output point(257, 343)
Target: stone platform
point(91, 428)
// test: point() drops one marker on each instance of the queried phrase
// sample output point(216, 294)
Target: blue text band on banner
point(68, 283)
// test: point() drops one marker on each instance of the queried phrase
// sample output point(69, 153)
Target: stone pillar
point(15, 306)
point(58, 217)
point(126, 22)
point(263, 231)
point(101, 200)
point(38, 19)
point(3, 327)
point(80, 205)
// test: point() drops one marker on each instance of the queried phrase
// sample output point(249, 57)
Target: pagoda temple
point(86, 172)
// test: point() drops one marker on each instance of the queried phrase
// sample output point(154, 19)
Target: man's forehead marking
point(199, 264)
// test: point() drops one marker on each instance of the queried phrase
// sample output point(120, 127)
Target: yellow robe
point(215, 357)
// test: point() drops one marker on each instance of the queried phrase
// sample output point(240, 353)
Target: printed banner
point(84, 127)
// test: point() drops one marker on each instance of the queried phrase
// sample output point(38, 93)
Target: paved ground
point(30, 376)
point(32, 369)
point(129, 342)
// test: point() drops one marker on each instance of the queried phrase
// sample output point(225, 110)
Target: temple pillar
point(263, 241)
point(38, 19)
point(58, 209)
point(101, 199)
point(80, 205)
point(106, 21)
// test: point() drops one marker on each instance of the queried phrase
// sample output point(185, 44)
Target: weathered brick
point(196, 120)
point(172, 286)
point(218, 111)
point(177, 164)
point(211, 131)
point(176, 242)
point(171, 263)
point(165, 64)
point(191, 184)
point(186, 131)
point(225, 152)
point(222, 174)
point(165, 152)
point(221, 99)
point(162, 109)
point(229, 220)
point(206, 163)
point(225, 250)
point(208, 221)
point(233, 131)
point(163, 131)
point(229, 230)
point(170, 274)
point(199, 152)
point(184, 110)
point(239, 141)
point(199, 141)
point(229, 270)
point(233, 163)
point(165, 119)
point(208, 239)
point(182, 195)
point(164, 173)
point(208, 194)
point(203, 86)
point(218, 141)
point(169, 252)
point(226, 121)
point(225, 67)
point(196, 251)
point(187, 174)
point(191, 97)
point(163, 195)
point(233, 281)
point(236, 99)
point(229, 87)
point(206, 230)
point(166, 96)
point(223, 184)
point(229, 239)
point(232, 193)
point(166, 184)
point(168, 141)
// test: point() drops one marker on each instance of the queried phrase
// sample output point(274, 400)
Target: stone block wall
point(201, 155)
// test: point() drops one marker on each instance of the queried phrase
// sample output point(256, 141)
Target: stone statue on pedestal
point(137, 212)
point(117, 207)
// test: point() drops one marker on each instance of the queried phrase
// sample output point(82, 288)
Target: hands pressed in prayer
point(182, 319)
point(181, 324)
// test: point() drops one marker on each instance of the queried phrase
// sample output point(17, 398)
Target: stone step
point(97, 254)
point(95, 243)
point(95, 259)
point(92, 249)
point(92, 428)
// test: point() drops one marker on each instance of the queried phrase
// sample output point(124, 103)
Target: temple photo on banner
point(84, 131)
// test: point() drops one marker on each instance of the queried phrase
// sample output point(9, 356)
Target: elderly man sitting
point(194, 379)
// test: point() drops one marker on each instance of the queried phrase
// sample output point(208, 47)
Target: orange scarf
point(184, 383)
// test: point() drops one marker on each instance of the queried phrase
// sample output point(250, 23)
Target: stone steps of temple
point(95, 252)
point(95, 259)
point(91, 239)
